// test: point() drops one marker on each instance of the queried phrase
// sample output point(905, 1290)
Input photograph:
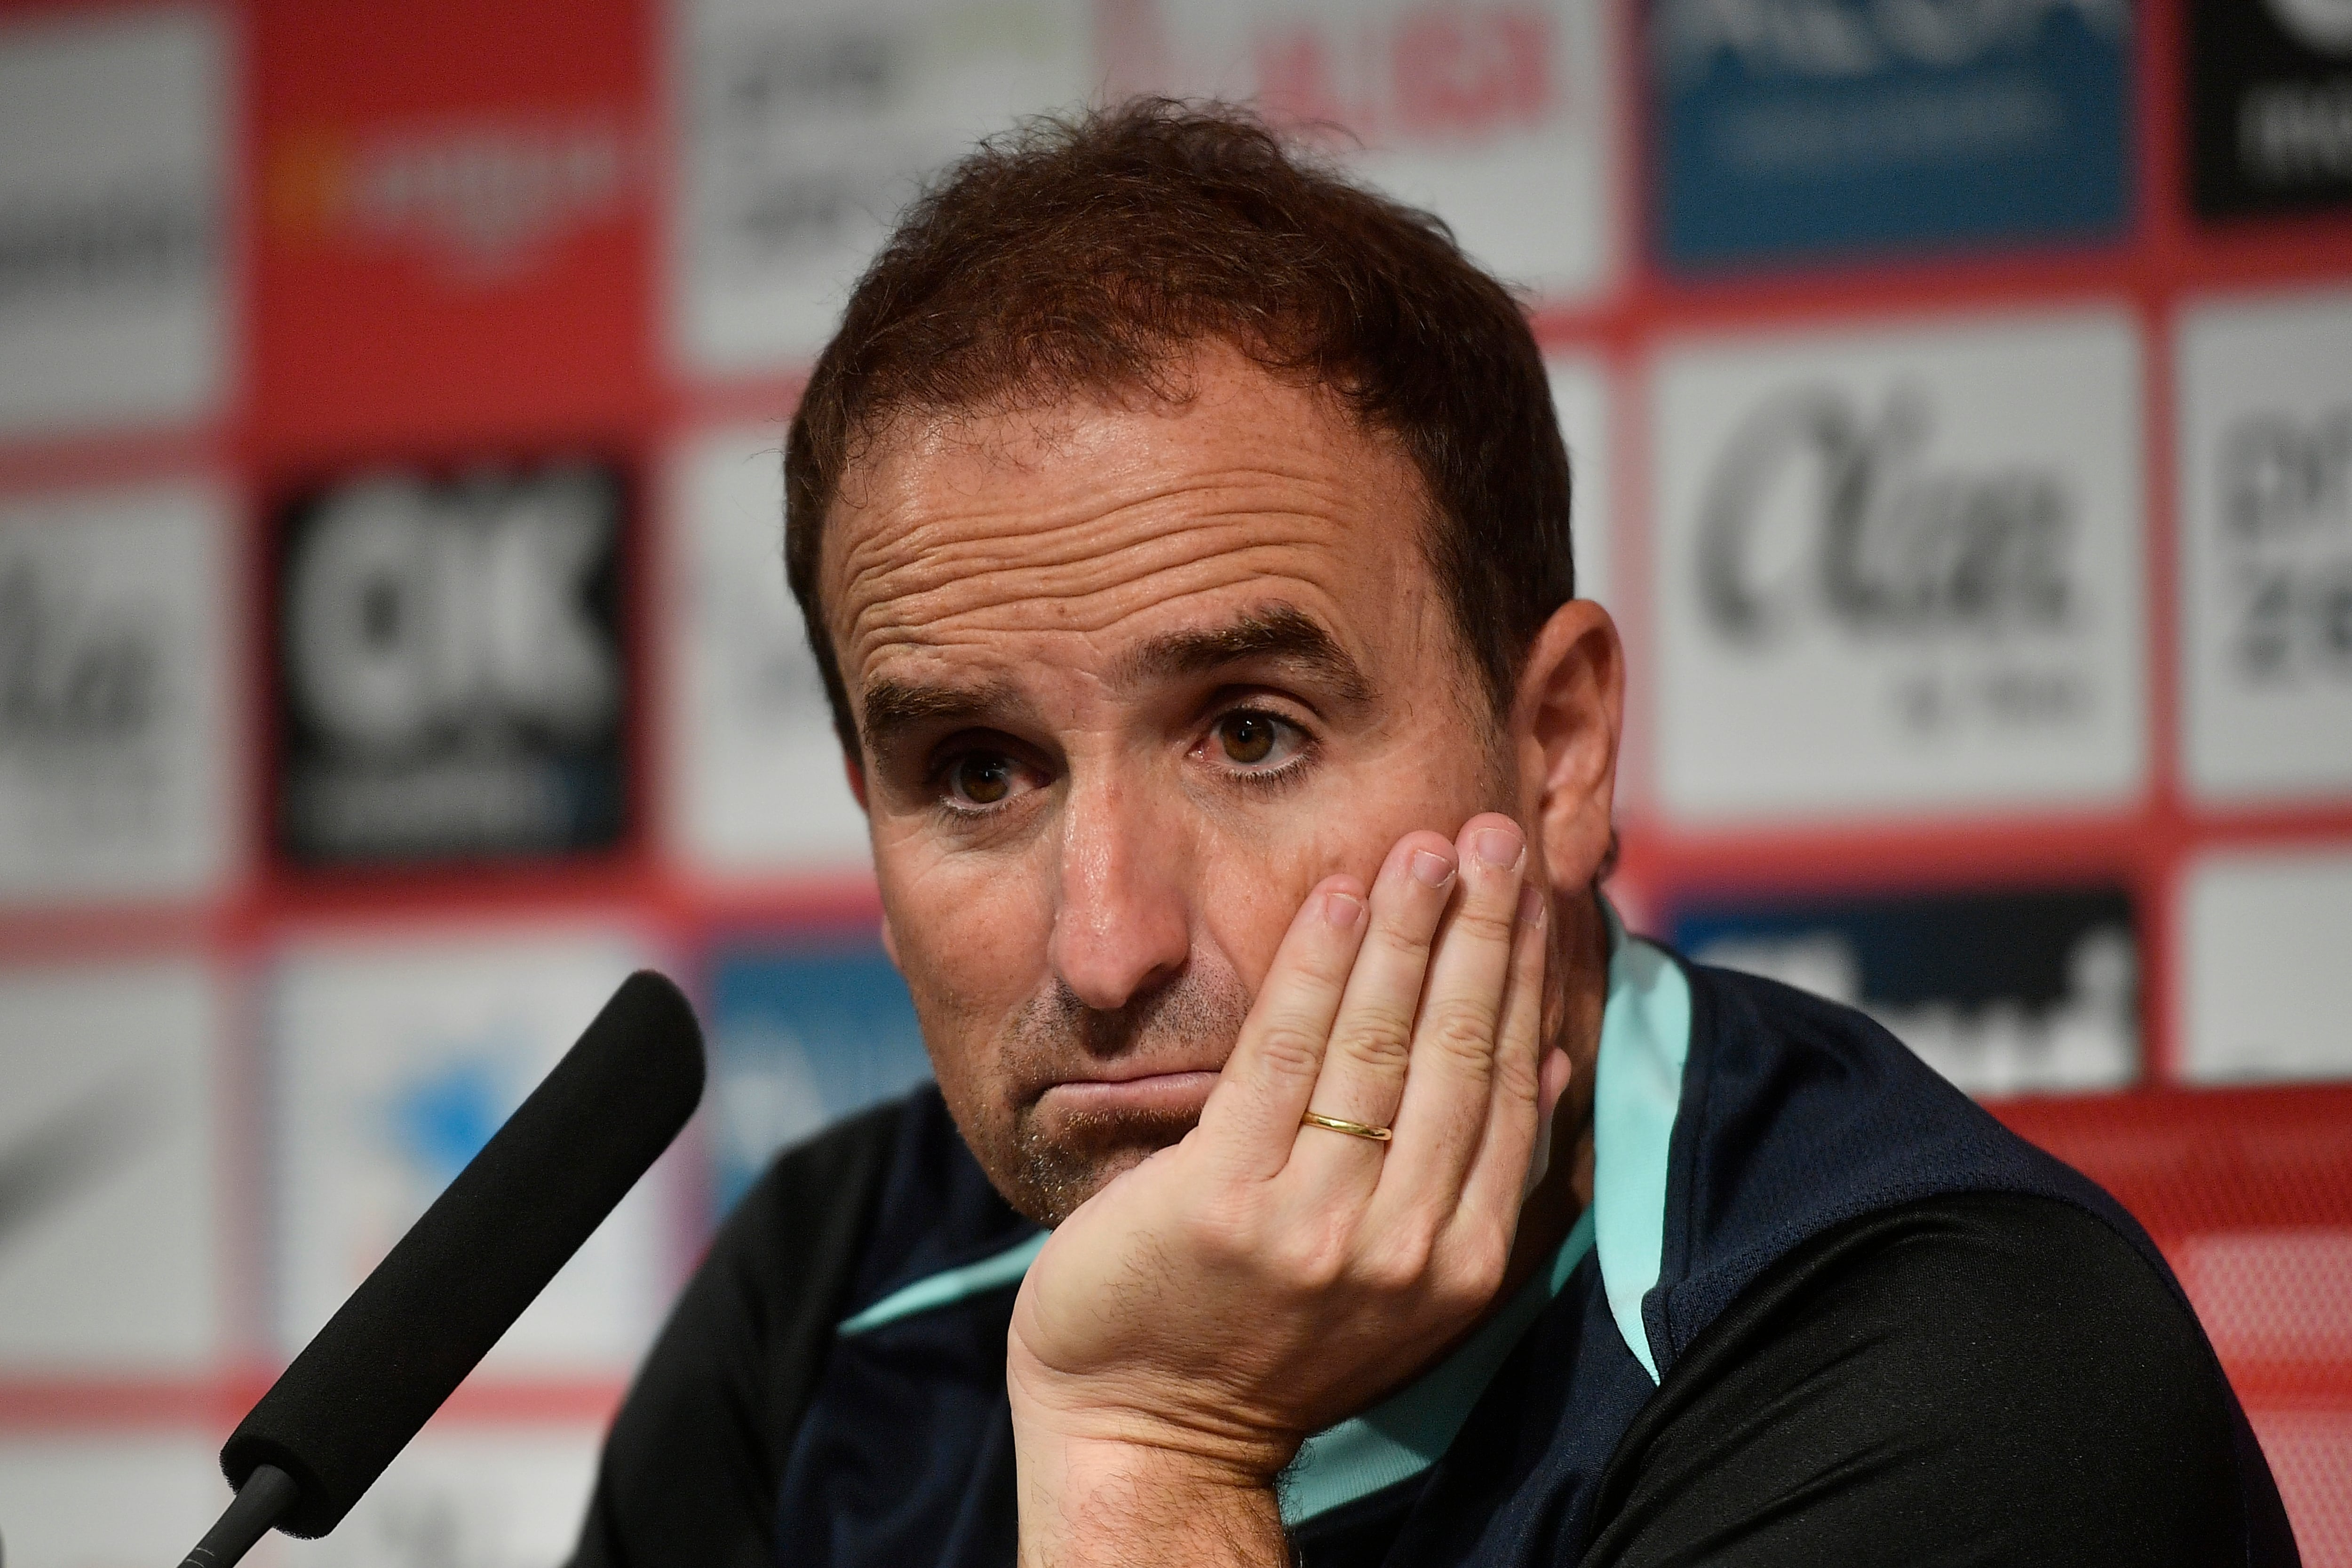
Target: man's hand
point(1194, 1322)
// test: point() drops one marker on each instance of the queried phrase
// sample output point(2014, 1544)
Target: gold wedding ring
point(1352, 1129)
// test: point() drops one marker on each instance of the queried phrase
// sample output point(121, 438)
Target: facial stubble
point(1194, 1015)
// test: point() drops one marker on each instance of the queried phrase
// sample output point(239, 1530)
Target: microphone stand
point(267, 1493)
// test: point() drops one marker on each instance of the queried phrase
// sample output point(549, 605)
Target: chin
point(1047, 1180)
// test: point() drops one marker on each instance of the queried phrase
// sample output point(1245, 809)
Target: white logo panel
point(1580, 395)
point(486, 1497)
point(116, 713)
point(397, 1060)
point(1494, 115)
point(2266, 990)
point(98, 1499)
point(110, 1253)
point(1900, 571)
point(758, 788)
point(807, 127)
point(113, 159)
point(2266, 547)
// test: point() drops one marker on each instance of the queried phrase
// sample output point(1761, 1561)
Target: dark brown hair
point(1086, 254)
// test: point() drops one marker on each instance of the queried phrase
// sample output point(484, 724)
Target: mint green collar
point(1407, 1432)
point(1637, 1087)
point(1636, 1090)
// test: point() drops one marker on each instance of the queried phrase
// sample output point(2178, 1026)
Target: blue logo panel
point(1812, 130)
point(801, 1036)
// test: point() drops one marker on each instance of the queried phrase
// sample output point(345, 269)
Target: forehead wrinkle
point(1013, 571)
point(1274, 630)
point(1080, 584)
point(926, 542)
point(975, 611)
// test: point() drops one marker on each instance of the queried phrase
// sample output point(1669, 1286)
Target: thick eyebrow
point(1275, 632)
point(891, 707)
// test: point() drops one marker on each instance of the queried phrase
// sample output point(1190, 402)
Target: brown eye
point(981, 779)
point(1246, 738)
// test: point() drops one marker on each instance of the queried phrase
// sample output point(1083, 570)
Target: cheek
point(970, 944)
point(1254, 883)
point(1250, 891)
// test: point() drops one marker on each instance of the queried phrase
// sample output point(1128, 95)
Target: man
point(1315, 1169)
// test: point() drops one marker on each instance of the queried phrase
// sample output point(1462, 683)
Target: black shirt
point(1981, 1377)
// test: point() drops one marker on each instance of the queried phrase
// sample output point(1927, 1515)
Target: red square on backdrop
point(452, 217)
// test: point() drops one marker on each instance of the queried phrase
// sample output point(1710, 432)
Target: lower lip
point(1161, 1094)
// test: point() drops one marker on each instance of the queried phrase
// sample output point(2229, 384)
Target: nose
point(1122, 921)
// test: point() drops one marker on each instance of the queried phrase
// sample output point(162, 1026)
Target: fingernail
point(1432, 869)
point(1497, 846)
point(1531, 906)
point(1343, 910)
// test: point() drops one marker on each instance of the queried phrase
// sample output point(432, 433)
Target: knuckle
point(1486, 922)
point(1290, 1047)
point(1518, 1077)
point(1462, 1033)
point(1398, 945)
point(1399, 1265)
point(1490, 1256)
point(1310, 1259)
point(1474, 1271)
point(1378, 1034)
point(1221, 1232)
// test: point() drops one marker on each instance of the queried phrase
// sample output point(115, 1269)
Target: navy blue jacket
point(1735, 1119)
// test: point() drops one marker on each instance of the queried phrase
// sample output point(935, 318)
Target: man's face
point(1131, 680)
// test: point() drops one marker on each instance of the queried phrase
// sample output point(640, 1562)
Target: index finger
point(1251, 1118)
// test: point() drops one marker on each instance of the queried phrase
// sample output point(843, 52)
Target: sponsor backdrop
point(393, 650)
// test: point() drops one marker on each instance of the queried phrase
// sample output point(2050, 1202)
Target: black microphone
point(464, 1272)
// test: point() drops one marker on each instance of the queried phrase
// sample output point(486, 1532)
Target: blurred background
point(393, 650)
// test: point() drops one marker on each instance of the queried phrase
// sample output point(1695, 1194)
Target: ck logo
point(451, 665)
point(1869, 533)
point(412, 608)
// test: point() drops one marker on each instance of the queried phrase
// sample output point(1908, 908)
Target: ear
point(1566, 719)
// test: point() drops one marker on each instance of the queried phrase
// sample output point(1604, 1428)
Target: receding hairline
point(1169, 380)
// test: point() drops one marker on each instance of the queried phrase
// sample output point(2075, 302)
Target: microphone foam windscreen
point(488, 1245)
